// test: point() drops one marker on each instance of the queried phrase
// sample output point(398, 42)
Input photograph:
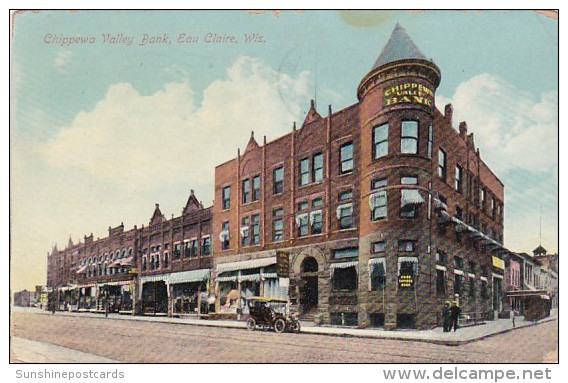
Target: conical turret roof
point(399, 47)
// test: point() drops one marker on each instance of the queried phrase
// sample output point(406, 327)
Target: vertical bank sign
point(409, 93)
point(282, 264)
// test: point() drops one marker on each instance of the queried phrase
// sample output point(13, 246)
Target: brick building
point(383, 209)
point(158, 269)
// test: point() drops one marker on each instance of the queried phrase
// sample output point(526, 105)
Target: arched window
point(309, 264)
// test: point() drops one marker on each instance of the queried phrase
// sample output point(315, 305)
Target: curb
point(312, 332)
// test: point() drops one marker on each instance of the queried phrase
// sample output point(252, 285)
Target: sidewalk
point(462, 336)
point(29, 351)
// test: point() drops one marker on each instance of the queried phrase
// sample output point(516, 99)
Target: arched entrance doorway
point(309, 286)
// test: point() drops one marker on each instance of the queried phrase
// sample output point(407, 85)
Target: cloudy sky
point(101, 130)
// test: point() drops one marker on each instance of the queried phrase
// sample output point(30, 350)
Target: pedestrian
point(446, 321)
point(455, 312)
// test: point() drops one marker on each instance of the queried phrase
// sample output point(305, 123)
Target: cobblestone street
point(151, 342)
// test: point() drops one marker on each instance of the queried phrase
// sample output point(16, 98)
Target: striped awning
point(250, 277)
point(270, 275)
point(117, 283)
point(115, 264)
point(411, 197)
point(127, 262)
point(343, 265)
point(189, 276)
point(232, 278)
point(87, 285)
point(82, 269)
point(378, 261)
point(155, 278)
point(245, 265)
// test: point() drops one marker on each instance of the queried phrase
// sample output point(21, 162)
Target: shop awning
point(250, 277)
point(244, 265)
point(115, 264)
point(82, 269)
point(87, 285)
point(270, 275)
point(117, 283)
point(127, 262)
point(190, 276)
point(375, 261)
point(155, 278)
point(232, 278)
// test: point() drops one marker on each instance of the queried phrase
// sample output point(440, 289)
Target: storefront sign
point(410, 93)
point(405, 281)
point(283, 264)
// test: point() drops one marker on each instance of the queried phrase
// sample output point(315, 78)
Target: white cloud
point(511, 128)
point(62, 60)
point(148, 141)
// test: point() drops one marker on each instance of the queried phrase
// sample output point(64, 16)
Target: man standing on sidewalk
point(455, 312)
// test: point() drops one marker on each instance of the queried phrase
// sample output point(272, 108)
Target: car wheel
point(251, 324)
point(279, 325)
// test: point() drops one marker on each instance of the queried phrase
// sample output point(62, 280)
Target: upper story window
point(305, 171)
point(442, 166)
point(405, 245)
point(409, 137)
point(226, 197)
point(378, 247)
point(246, 191)
point(482, 198)
point(225, 242)
point(378, 200)
point(256, 188)
point(278, 178)
point(459, 179)
point(255, 227)
point(346, 195)
point(206, 246)
point(317, 167)
point(278, 224)
point(245, 231)
point(380, 141)
point(346, 158)
point(410, 199)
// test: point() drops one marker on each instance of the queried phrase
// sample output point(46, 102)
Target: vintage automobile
point(271, 313)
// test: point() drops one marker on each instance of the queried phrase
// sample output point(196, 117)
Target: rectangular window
point(177, 250)
point(378, 200)
point(206, 246)
point(442, 170)
point(349, 252)
point(193, 248)
point(430, 140)
point(459, 179)
point(226, 197)
point(246, 191)
point(346, 196)
point(380, 141)
point(345, 216)
point(458, 263)
point(345, 278)
point(458, 284)
point(256, 229)
point(441, 282)
point(346, 158)
point(484, 290)
point(377, 276)
point(316, 221)
point(302, 223)
point(459, 213)
point(406, 245)
point(409, 137)
point(256, 188)
point(225, 243)
point(277, 225)
point(482, 197)
point(409, 198)
point(278, 177)
point(303, 206)
point(317, 202)
point(187, 249)
point(305, 172)
point(378, 247)
point(471, 286)
point(317, 167)
point(245, 231)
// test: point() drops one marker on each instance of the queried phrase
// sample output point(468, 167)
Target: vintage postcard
point(284, 187)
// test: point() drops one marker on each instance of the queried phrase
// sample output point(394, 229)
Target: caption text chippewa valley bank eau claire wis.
point(146, 39)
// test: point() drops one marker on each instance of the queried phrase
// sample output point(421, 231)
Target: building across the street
point(370, 216)
point(24, 298)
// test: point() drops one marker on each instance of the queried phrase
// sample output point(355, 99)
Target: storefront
point(189, 292)
point(68, 298)
point(87, 297)
point(119, 295)
point(237, 282)
point(154, 294)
